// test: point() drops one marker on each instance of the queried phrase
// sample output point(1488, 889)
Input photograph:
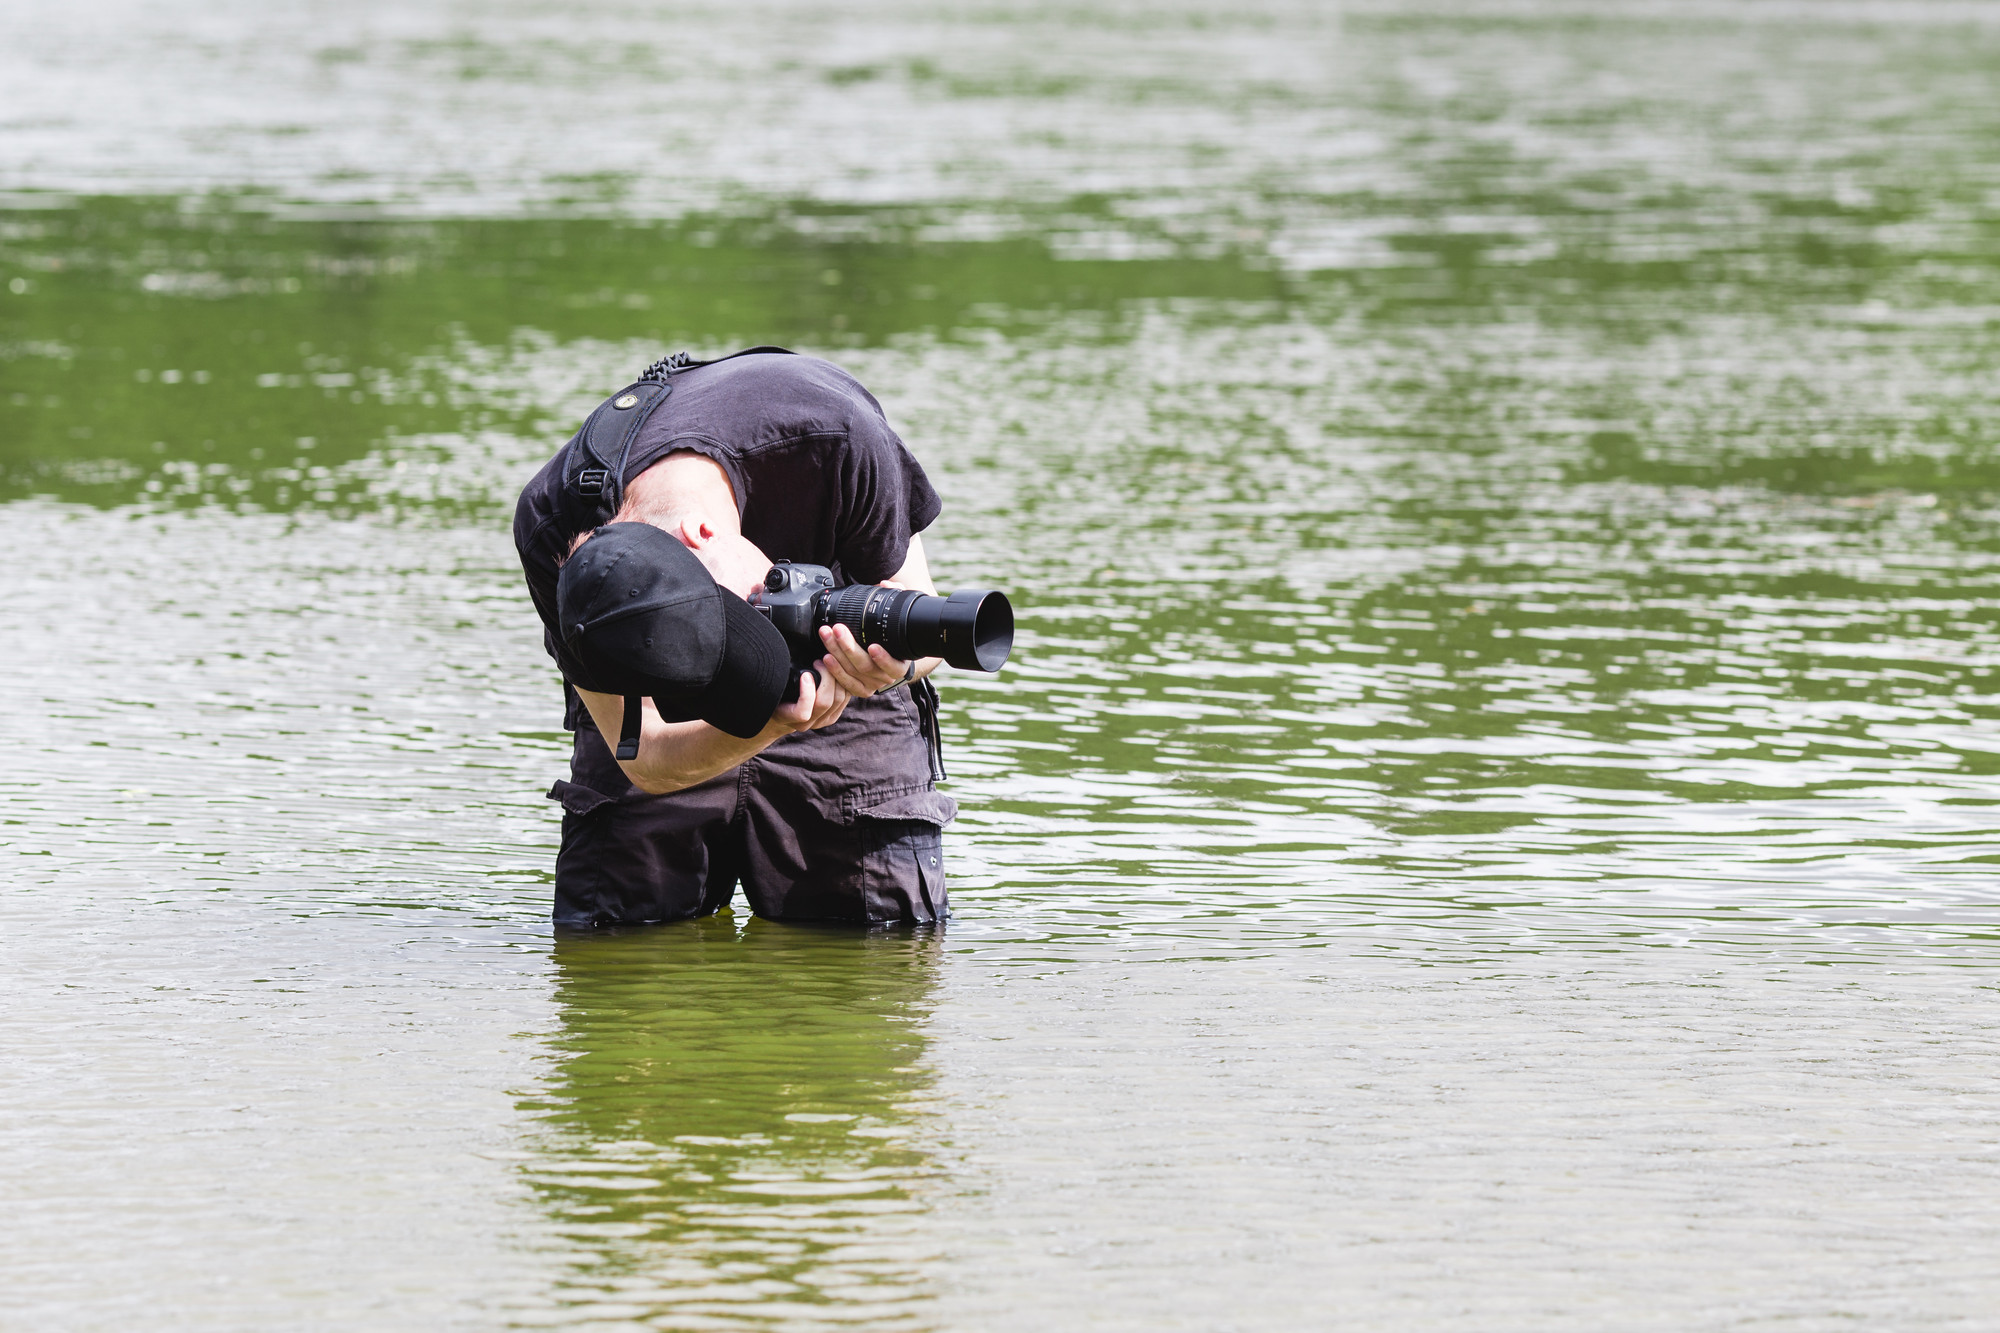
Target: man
point(828, 809)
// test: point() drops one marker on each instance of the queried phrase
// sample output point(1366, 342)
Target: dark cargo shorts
point(840, 824)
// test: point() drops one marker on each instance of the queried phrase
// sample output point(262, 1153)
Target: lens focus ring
point(868, 612)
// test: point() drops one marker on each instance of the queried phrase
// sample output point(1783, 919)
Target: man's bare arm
point(677, 755)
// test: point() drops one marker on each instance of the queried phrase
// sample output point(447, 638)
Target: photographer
point(641, 541)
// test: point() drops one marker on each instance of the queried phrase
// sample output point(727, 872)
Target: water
point(1489, 825)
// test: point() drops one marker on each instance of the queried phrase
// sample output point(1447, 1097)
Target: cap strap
point(628, 730)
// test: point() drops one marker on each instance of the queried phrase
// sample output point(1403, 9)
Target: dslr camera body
point(972, 629)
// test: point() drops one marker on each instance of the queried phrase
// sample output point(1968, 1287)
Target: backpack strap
point(594, 464)
point(658, 372)
point(594, 471)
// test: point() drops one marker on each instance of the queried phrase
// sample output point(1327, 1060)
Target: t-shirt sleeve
point(885, 499)
point(539, 540)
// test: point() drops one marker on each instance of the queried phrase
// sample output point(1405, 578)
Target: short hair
point(669, 506)
point(665, 511)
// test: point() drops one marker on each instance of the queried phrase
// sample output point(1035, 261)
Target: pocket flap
point(923, 803)
point(577, 800)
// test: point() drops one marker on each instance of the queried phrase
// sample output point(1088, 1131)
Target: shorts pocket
point(902, 851)
point(577, 799)
point(626, 862)
point(919, 801)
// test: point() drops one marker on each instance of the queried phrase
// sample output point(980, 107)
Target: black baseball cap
point(641, 616)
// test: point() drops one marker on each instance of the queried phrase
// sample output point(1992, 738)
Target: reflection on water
point(733, 1128)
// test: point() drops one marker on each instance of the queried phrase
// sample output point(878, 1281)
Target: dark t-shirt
point(819, 476)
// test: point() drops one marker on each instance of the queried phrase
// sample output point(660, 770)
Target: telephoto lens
point(973, 629)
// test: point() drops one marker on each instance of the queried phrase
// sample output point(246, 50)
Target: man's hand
point(819, 704)
point(864, 673)
point(861, 672)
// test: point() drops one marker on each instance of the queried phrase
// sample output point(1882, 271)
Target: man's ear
point(695, 533)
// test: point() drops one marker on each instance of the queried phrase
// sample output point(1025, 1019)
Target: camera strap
point(925, 695)
point(628, 730)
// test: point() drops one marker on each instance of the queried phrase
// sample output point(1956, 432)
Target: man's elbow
point(655, 784)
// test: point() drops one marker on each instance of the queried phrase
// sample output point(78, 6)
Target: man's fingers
point(799, 711)
point(820, 702)
point(844, 678)
point(872, 664)
point(832, 701)
point(841, 645)
point(862, 671)
point(886, 665)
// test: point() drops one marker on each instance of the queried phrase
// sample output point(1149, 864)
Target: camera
point(972, 629)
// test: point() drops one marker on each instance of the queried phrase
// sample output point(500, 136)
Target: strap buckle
point(628, 730)
point(591, 481)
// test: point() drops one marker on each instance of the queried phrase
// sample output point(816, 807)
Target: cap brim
point(750, 683)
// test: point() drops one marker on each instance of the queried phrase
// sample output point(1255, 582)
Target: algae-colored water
point(1490, 824)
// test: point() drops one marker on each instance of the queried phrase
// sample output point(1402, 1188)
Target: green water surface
point(1489, 824)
